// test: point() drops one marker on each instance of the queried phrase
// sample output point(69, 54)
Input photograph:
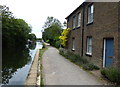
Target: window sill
point(73, 49)
point(73, 28)
point(89, 54)
point(78, 27)
point(89, 23)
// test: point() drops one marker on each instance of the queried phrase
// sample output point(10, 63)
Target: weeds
point(41, 67)
point(81, 61)
point(111, 74)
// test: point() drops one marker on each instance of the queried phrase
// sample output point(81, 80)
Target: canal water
point(16, 64)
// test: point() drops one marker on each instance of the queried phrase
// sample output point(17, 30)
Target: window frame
point(74, 22)
point(73, 44)
point(89, 45)
point(90, 13)
point(79, 19)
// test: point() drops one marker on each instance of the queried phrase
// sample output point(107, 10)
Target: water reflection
point(14, 59)
point(32, 46)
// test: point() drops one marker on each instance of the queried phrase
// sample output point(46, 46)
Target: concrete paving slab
point(33, 73)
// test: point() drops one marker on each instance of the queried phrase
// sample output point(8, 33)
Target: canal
point(16, 63)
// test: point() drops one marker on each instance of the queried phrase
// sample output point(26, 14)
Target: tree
point(52, 31)
point(64, 36)
point(51, 21)
point(32, 37)
point(14, 31)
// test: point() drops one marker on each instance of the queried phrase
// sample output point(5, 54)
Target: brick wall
point(105, 25)
point(75, 33)
point(118, 61)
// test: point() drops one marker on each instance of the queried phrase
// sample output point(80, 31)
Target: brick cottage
point(95, 32)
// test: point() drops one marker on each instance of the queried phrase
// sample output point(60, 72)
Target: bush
point(90, 66)
point(47, 41)
point(81, 61)
point(57, 44)
point(54, 43)
point(61, 52)
point(111, 74)
point(44, 46)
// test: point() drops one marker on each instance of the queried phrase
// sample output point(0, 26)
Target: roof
point(76, 9)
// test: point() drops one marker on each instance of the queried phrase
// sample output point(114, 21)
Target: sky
point(35, 12)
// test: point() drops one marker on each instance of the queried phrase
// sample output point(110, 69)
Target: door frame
point(104, 52)
point(104, 46)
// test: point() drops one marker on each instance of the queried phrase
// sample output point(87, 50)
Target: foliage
point(51, 21)
point(41, 67)
point(111, 74)
point(52, 31)
point(64, 36)
point(39, 39)
point(44, 46)
point(73, 57)
point(32, 37)
point(14, 31)
point(90, 66)
point(80, 61)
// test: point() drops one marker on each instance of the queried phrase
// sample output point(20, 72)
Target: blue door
point(109, 52)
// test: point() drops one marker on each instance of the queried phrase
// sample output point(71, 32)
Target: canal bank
point(33, 77)
point(17, 63)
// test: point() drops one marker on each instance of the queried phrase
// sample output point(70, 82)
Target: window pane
point(90, 13)
point(89, 10)
point(73, 48)
point(92, 7)
point(89, 45)
point(74, 22)
point(89, 18)
point(90, 41)
point(79, 19)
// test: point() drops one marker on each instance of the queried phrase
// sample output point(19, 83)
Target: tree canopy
point(51, 21)
point(14, 31)
point(52, 31)
point(32, 37)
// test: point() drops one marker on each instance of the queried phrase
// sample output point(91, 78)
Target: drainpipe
point(83, 11)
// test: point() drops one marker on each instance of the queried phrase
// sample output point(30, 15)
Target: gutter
point(83, 11)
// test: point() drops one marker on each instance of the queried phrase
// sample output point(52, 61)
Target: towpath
point(59, 71)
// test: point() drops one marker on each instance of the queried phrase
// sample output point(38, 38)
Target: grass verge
point(41, 67)
point(78, 60)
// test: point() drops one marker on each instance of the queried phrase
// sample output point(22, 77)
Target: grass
point(41, 67)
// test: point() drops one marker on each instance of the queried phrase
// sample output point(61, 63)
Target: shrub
point(61, 52)
point(64, 36)
point(44, 46)
point(47, 41)
point(111, 74)
point(90, 66)
point(57, 44)
point(84, 60)
point(78, 59)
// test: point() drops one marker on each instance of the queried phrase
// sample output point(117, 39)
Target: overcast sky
point(35, 12)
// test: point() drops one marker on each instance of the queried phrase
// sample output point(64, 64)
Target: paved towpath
point(59, 71)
